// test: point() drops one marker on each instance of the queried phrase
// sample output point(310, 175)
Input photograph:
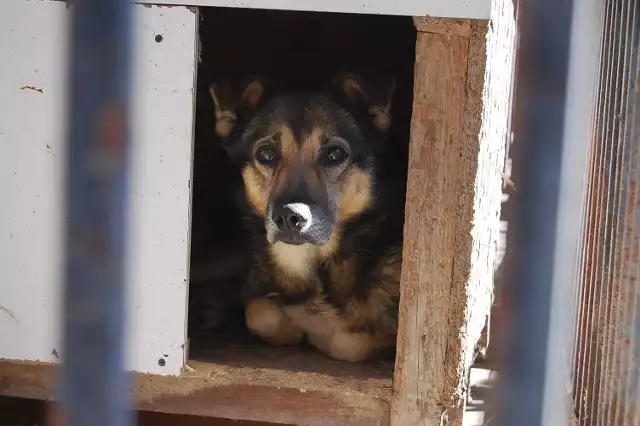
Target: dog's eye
point(267, 155)
point(335, 155)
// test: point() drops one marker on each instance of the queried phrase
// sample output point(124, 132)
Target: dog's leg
point(346, 346)
point(265, 318)
point(327, 333)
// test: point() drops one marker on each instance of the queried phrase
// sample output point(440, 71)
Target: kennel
point(458, 131)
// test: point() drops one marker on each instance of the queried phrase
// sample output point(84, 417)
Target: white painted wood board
point(469, 9)
point(33, 52)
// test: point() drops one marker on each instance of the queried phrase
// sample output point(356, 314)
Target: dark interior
point(302, 51)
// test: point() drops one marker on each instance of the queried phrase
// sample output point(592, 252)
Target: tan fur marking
point(265, 318)
point(359, 313)
point(352, 87)
point(381, 118)
point(329, 248)
point(312, 144)
point(298, 261)
point(356, 194)
point(213, 89)
point(225, 125)
point(255, 188)
point(289, 147)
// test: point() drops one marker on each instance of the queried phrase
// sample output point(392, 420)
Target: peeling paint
point(10, 313)
point(34, 88)
point(192, 9)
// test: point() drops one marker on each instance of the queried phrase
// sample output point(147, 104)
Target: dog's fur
point(339, 284)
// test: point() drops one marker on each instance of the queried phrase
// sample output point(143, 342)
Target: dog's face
point(307, 164)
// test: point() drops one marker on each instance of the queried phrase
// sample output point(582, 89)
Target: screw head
point(161, 362)
point(159, 38)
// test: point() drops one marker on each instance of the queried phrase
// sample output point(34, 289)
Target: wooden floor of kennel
point(461, 110)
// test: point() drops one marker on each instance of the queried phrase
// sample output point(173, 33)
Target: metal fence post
point(95, 386)
point(557, 70)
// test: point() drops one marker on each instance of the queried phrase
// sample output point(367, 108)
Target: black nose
point(287, 220)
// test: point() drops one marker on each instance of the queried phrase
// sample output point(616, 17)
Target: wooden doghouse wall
point(460, 117)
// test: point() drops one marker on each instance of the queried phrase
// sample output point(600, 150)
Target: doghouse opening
point(300, 51)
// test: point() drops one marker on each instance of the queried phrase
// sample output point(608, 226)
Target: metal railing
point(607, 367)
point(95, 386)
point(574, 347)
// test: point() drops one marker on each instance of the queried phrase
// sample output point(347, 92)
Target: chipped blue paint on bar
point(95, 387)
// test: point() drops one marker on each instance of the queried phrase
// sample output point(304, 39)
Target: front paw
point(265, 318)
point(351, 347)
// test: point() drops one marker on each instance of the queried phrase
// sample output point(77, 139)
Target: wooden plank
point(237, 381)
point(439, 155)
point(430, 24)
point(23, 412)
point(458, 140)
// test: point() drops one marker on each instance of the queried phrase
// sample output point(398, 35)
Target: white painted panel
point(470, 9)
point(164, 115)
point(31, 154)
point(33, 53)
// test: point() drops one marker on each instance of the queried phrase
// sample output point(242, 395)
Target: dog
point(326, 233)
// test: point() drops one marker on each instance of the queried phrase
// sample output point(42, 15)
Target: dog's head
point(307, 160)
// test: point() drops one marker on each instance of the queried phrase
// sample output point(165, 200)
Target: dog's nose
point(292, 218)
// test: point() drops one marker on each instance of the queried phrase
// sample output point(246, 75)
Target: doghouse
point(454, 60)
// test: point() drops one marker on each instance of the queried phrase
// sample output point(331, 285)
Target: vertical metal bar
point(604, 216)
point(596, 218)
point(557, 69)
point(590, 233)
point(610, 374)
point(95, 385)
point(581, 291)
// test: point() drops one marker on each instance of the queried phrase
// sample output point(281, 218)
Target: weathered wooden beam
point(458, 139)
point(295, 389)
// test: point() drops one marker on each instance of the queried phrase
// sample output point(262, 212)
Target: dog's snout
point(293, 217)
point(297, 222)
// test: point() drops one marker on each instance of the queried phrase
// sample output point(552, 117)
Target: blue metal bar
point(95, 386)
point(557, 68)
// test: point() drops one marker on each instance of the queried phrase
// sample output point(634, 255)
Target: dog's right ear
point(234, 104)
point(253, 92)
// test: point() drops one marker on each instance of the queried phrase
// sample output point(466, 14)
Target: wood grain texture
point(245, 382)
point(439, 156)
point(459, 134)
point(435, 25)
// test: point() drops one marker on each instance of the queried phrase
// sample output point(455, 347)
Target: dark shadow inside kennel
point(302, 51)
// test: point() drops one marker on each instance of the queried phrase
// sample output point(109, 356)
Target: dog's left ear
point(235, 103)
point(367, 99)
point(225, 103)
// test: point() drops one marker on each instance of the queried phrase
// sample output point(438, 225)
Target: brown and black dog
point(326, 232)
